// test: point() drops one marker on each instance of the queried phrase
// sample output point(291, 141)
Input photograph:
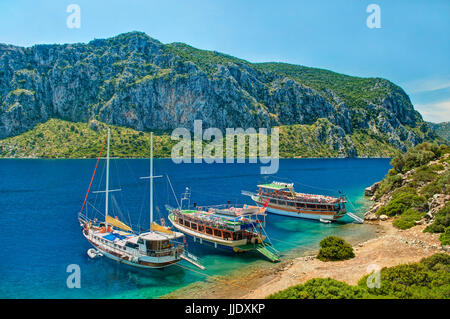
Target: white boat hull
point(298, 214)
point(143, 261)
point(126, 262)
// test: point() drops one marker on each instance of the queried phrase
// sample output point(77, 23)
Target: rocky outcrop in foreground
point(416, 191)
point(435, 203)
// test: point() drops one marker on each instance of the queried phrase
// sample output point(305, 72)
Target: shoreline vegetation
point(391, 247)
point(64, 139)
point(411, 246)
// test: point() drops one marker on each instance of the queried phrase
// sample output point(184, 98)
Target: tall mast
point(107, 179)
point(151, 179)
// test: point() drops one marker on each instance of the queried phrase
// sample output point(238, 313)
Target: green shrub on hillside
point(418, 156)
point(423, 175)
point(408, 219)
point(402, 202)
point(436, 167)
point(439, 186)
point(334, 248)
point(404, 190)
point(441, 220)
point(427, 279)
point(387, 184)
point(321, 288)
point(445, 237)
point(410, 194)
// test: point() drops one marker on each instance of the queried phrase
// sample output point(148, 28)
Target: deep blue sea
point(40, 235)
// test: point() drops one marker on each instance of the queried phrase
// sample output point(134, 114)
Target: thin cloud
point(426, 85)
point(435, 112)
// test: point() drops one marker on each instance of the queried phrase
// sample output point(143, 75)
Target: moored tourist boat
point(234, 228)
point(157, 248)
point(281, 199)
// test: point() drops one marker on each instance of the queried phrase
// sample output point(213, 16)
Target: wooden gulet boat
point(233, 228)
point(160, 247)
point(281, 199)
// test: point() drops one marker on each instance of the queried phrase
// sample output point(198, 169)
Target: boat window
point(310, 206)
point(152, 245)
point(194, 226)
point(131, 245)
point(208, 230)
point(165, 244)
point(217, 233)
point(291, 203)
point(140, 241)
point(201, 228)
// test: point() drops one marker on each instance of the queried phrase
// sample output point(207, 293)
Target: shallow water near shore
point(39, 201)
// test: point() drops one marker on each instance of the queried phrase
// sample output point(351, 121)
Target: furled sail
point(117, 223)
point(161, 229)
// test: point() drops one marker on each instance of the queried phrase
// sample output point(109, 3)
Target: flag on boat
point(266, 203)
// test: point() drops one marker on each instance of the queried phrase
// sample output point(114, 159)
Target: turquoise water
point(40, 234)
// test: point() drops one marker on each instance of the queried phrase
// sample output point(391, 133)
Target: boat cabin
point(283, 194)
point(154, 243)
point(227, 227)
point(276, 189)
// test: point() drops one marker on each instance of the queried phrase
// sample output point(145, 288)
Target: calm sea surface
point(40, 235)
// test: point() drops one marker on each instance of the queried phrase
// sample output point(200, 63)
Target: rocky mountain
point(442, 129)
point(138, 82)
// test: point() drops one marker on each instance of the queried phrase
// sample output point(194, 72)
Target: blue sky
point(411, 48)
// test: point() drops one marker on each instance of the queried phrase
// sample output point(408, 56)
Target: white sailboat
point(160, 247)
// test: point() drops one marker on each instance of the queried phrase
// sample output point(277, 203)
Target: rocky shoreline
point(390, 248)
point(437, 202)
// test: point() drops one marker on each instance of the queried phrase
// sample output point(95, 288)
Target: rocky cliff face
point(135, 81)
point(442, 129)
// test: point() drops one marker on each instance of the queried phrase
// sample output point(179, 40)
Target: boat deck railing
point(135, 252)
point(300, 200)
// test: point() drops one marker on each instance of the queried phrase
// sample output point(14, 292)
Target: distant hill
point(64, 139)
point(134, 81)
point(441, 129)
